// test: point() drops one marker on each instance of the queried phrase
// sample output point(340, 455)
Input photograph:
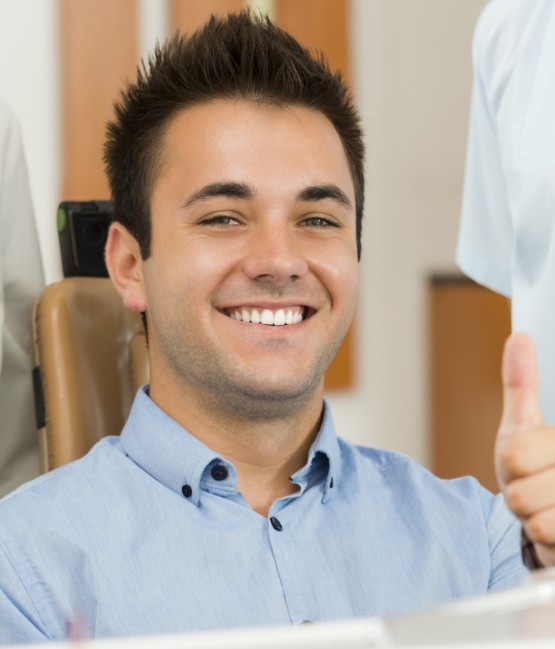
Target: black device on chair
point(82, 231)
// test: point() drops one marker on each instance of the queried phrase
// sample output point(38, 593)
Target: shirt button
point(276, 524)
point(219, 472)
point(186, 490)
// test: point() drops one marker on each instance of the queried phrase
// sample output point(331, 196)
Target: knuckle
point(539, 530)
point(512, 456)
point(516, 498)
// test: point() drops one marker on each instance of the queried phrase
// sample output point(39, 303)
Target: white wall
point(412, 77)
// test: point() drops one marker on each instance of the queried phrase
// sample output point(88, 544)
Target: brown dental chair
point(90, 357)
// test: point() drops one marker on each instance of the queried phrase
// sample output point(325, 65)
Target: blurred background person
point(507, 231)
point(21, 280)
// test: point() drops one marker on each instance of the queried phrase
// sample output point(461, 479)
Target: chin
point(271, 400)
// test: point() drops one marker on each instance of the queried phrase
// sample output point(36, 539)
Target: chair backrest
point(91, 357)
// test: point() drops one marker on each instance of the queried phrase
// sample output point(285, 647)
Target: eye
point(319, 222)
point(221, 220)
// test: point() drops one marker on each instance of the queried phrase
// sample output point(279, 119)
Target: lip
point(272, 305)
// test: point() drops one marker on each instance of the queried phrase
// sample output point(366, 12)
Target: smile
point(276, 318)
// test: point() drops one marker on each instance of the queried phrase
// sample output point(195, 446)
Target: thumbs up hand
point(525, 448)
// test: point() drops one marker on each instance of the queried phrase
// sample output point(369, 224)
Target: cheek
point(339, 272)
point(348, 291)
point(181, 278)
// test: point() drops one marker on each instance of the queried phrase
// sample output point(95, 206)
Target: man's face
point(252, 279)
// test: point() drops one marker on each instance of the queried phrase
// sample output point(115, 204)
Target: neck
point(263, 476)
point(265, 450)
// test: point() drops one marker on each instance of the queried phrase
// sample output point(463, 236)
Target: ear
point(125, 265)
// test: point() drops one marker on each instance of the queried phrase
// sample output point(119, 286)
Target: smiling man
point(250, 283)
point(236, 169)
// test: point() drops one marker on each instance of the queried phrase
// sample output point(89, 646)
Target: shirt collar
point(324, 458)
point(174, 457)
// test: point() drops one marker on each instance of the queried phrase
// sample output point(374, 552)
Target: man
point(507, 224)
point(21, 281)
point(236, 168)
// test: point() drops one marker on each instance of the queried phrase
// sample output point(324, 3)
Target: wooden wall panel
point(98, 52)
point(468, 328)
point(319, 25)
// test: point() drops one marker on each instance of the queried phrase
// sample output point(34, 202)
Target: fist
point(525, 448)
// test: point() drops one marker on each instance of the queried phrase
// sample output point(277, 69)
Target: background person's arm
point(21, 281)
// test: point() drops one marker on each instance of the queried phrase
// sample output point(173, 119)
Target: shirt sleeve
point(485, 243)
point(507, 568)
point(21, 281)
point(19, 618)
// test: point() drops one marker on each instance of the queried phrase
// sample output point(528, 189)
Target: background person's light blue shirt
point(507, 230)
point(147, 534)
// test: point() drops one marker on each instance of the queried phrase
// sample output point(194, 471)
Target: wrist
point(528, 552)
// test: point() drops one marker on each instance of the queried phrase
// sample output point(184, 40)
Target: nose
point(275, 255)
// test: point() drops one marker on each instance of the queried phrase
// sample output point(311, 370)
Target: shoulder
point(401, 475)
point(458, 513)
point(504, 26)
point(378, 458)
point(57, 495)
point(69, 515)
point(508, 16)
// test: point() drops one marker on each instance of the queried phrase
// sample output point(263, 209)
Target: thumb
point(521, 408)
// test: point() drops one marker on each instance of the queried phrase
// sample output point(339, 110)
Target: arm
point(21, 280)
point(19, 619)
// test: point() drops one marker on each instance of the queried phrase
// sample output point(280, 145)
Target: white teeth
point(276, 318)
point(267, 317)
point(279, 317)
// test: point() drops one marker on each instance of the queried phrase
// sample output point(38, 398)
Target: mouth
point(280, 317)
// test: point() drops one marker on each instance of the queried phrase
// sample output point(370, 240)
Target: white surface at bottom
point(519, 618)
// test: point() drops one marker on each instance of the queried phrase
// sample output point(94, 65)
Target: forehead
point(234, 139)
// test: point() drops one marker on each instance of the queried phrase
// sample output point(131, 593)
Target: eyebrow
point(313, 193)
point(226, 189)
point(321, 192)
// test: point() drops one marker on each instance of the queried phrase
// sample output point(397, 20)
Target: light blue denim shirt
point(148, 534)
